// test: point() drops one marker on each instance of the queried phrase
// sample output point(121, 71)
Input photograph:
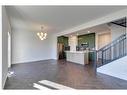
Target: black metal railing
point(113, 51)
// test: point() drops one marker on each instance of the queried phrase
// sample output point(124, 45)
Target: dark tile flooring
point(62, 72)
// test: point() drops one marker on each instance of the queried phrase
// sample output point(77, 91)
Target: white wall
point(97, 38)
point(5, 29)
point(117, 31)
point(73, 42)
point(27, 47)
point(54, 46)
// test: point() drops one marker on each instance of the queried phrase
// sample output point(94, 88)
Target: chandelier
point(42, 35)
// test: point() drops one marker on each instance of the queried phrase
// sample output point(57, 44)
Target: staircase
point(113, 51)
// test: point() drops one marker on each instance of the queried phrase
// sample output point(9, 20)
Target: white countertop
point(85, 51)
point(80, 57)
point(76, 51)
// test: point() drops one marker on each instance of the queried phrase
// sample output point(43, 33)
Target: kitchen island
point(79, 57)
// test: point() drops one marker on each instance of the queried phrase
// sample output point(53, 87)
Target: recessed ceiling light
point(88, 31)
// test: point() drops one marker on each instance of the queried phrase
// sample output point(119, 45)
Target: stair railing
point(113, 51)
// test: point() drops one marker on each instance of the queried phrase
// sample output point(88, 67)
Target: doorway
point(9, 50)
point(62, 46)
point(104, 39)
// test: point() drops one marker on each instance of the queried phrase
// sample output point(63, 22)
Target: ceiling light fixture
point(42, 35)
point(88, 31)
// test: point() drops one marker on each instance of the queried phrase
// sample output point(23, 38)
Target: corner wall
point(5, 29)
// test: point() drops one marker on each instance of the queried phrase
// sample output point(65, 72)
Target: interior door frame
point(9, 49)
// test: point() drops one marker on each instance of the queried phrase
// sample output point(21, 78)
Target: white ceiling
point(56, 18)
point(96, 29)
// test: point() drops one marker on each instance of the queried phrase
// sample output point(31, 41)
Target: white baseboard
point(31, 61)
point(3, 83)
